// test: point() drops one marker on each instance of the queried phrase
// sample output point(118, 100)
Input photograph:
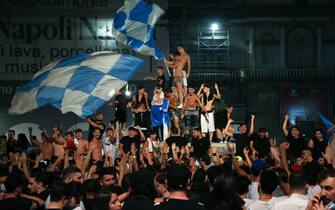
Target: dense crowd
point(181, 152)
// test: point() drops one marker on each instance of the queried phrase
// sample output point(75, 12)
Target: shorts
point(207, 122)
point(191, 119)
point(178, 79)
point(142, 119)
point(184, 79)
point(173, 113)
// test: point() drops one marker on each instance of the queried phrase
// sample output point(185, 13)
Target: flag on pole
point(80, 84)
point(326, 122)
point(134, 25)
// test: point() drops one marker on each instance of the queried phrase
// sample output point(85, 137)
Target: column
point(282, 47)
point(319, 46)
point(251, 48)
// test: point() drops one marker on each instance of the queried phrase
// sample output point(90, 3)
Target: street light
point(214, 27)
point(128, 93)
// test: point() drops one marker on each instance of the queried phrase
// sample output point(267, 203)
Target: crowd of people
point(171, 157)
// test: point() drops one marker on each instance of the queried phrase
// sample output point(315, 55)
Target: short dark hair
point(109, 129)
point(13, 181)
point(326, 173)
point(57, 192)
point(296, 127)
point(94, 129)
point(268, 181)
point(108, 171)
point(140, 87)
point(229, 105)
point(132, 129)
point(160, 67)
point(206, 159)
point(260, 130)
point(244, 123)
point(11, 130)
point(320, 130)
point(70, 170)
point(78, 130)
point(91, 186)
point(297, 181)
point(177, 178)
point(197, 129)
point(69, 133)
point(42, 178)
point(242, 183)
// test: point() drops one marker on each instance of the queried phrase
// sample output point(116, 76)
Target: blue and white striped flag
point(80, 84)
point(133, 25)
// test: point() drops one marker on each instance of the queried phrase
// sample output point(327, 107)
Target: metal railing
point(325, 73)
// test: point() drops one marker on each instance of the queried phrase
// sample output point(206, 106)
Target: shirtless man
point(82, 144)
point(179, 64)
point(207, 115)
point(45, 146)
point(96, 145)
point(190, 111)
point(140, 107)
point(173, 113)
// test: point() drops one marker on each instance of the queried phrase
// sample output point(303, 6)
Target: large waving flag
point(133, 25)
point(80, 84)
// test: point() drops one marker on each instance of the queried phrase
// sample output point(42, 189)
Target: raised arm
point(284, 127)
point(283, 147)
point(141, 133)
point(252, 125)
point(90, 121)
point(227, 133)
point(200, 89)
point(218, 94)
point(330, 130)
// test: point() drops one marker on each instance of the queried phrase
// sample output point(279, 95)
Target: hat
point(177, 177)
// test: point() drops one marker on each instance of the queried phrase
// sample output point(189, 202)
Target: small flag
point(325, 121)
point(80, 84)
point(134, 25)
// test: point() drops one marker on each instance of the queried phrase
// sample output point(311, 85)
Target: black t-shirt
point(174, 204)
point(319, 147)
point(91, 128)
point(15, 204)
point(296, 146)
point(200, 146)
point(261, 145)
point(161, 80)
point(88, 203)
point(241, 141)
point(179, 140)
point(138, 202)
point(126, 141)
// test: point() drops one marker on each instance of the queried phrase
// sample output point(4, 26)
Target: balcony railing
point(326, 73)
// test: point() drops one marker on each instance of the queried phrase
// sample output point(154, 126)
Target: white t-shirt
point(253, 193)
point(294, 202)
point(265, 205)
point(248, 202)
